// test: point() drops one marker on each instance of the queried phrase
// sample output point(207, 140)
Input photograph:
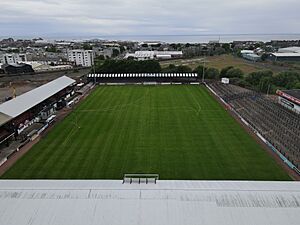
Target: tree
point(175, 46)
point(212, 73)
point(177, 69)
point(258, 45)
point(226, 47)
point(264, 57)
point(183, 69)
point(130, 57)
point(239, 54)
point(234, 72)
point(115, 52)
point(87, 46)
point(265, 84)
point(170, 69)
point(128, 66)
point(100, 57)
point(255, 77)
point(224, 71)
point(286, 79)
point(51, 49)
point(297, 85)
point(156, 45)
point(199, 70)
point(122, 49)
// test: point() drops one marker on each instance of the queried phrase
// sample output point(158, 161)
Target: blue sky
point(147, 17)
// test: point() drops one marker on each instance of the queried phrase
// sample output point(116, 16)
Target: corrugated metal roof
point(24, 102)
point(295, 49)
point(290, 54)
point(92, 202)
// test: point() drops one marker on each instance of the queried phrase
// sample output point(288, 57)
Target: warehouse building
point(294, 49)
point(282, 56)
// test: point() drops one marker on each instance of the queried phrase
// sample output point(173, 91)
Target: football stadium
point(166, 124)
point(151, 146)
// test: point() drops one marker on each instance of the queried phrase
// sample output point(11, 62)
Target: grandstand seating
point(278, 125)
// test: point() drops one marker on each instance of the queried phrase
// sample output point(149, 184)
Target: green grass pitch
point(178, 131)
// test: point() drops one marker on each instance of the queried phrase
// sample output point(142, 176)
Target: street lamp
point(94, 70)
point(203, 69)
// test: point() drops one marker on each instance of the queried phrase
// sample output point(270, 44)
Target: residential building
point(13, 58)
point(106, 52)
point(81, 57)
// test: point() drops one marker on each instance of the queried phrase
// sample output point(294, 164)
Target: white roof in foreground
point(24, 102)
point(92, 202)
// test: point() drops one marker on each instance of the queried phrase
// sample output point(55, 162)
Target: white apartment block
point(81, 57)
point(12, 58)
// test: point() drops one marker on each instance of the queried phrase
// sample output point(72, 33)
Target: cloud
point(147, 17)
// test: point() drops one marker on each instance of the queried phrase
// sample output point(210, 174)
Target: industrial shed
point(89, 202)
point(289, 56)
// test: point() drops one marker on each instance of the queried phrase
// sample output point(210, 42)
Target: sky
point(148, 17)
